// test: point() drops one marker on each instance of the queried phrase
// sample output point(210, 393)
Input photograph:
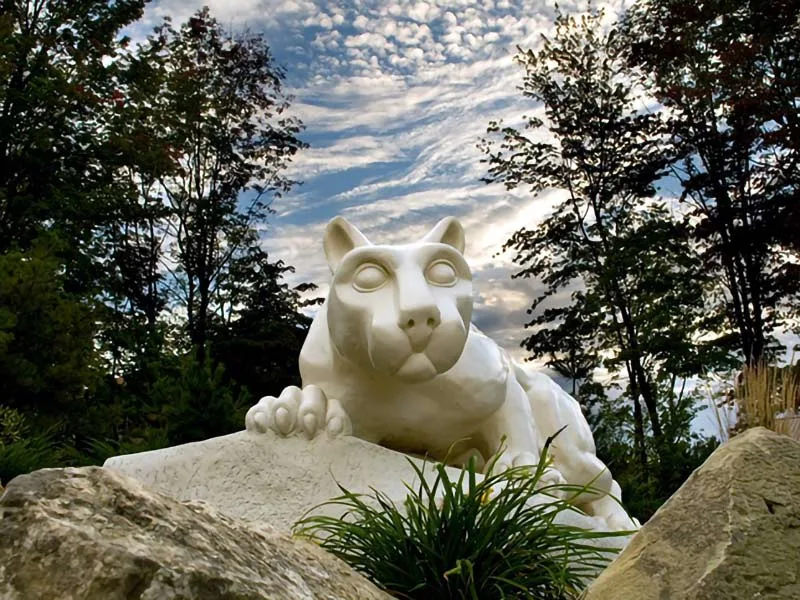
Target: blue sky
point(395, 95)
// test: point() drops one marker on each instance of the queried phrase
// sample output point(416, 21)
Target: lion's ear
point(341, 237)
point(447, 231)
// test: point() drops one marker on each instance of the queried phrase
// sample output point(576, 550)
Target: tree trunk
point(638, 422)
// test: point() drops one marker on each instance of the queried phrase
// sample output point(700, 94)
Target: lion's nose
point(423, 316)
point(419, 323)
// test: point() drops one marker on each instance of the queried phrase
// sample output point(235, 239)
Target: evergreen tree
point(47, 354)
point(259, 343)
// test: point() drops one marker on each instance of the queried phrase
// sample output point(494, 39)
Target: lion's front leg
point(512, 428)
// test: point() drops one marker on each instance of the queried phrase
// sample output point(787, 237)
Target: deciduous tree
point(622, 286)
point(728, 75)
point(220, 111)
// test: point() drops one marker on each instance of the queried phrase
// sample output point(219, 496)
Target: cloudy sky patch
point(395, 97)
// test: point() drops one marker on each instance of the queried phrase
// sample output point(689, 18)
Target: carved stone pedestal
point(265, 478)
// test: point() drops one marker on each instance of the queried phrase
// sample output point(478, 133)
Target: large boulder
point(277, 480)
point(268, 479)
point(91, 533)
point(731, 532)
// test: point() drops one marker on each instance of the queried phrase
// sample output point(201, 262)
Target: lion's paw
point(299, 412)
point(509, 459)
point(550, 476)
point(613, 514)
point(621, 521)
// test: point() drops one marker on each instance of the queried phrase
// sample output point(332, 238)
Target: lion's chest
point(429, 416)
point(421, 416)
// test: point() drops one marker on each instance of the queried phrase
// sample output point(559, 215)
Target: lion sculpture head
point(404, 310)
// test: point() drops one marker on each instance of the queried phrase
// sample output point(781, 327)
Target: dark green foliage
point(611, 422)
point(22, 450)
point(136, 306)
point(260, 342)
point(465, 538)
point(34, 451)
point(197, 402)
point(47, 355)
point(172, 401)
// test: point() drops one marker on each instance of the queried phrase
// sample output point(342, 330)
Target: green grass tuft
point(465, 538)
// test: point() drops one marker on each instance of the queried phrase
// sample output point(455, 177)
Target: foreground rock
point(731, 532)
point(92, 534)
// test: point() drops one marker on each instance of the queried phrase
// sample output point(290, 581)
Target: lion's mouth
point(417, 367)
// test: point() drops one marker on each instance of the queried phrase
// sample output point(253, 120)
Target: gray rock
point(91, 533)
point(731, 532)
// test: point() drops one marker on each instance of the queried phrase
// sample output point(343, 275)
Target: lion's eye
point(369, 278)
point(442, 273)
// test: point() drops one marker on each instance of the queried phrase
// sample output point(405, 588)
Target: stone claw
point(305, 412)
point(550, 476)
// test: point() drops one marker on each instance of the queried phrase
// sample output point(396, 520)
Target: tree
point(134, 184)
point(573, 356)
point(635, 290)
point(198, 321)
point(47, 354)
point(261, 341)
point(54, 85)
point(57, 59)
point(219, 111)
point(135, 293)
point(728, 75)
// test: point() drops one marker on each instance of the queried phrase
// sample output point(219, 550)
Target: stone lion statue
point(392, 358)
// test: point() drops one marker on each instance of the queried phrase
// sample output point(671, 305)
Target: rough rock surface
point(91, 533)
point(731, 532)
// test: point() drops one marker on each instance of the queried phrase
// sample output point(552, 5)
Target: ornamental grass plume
point(467, 538)
point(767, 396)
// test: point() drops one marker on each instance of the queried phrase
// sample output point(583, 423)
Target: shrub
point(468, 538)
point(22, 451)
point(12, 425)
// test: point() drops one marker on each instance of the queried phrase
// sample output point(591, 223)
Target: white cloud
point(240, 12)
point(356, 151)
point(319, 20)
point(421, 12)
point(360, 22)
point(411, 84)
